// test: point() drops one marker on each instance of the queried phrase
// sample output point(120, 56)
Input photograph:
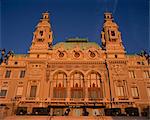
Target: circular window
point(61, 54)
point(92, 54)
point(77, 54)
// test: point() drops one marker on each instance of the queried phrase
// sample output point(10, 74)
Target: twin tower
point(110, 36)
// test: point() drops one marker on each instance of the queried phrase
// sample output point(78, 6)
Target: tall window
point(94, 80)
point(146, 74)
point(120, 91)
point(8, 73)
point(77, 79)
point(77, 85)
point(22, 73)
point(3, 93)
point(94, 94)
point(135, 93)
point(131, 74)
point(78, 93)
point(33, 91)
point(148, 91)
point(59, 82)
point(95, 89)
point(19, 91)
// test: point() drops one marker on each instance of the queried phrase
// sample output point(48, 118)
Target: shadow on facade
point(65, 111)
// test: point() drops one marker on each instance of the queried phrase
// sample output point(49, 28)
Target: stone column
point(86, 89)
point(103, 90)
point(51, 90)
point(68, 88)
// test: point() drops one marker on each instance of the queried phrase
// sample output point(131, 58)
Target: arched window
point(77, 78)
point(93, 84)
point(95, 88)
point(59, 84)
point(94, 78)
point(77, 86)
point(60, 78)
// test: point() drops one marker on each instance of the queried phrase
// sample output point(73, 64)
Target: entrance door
point(77, 112)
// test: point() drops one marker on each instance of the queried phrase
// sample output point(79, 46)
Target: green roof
point(72, 43)
point(20, 55)
point(77, 40)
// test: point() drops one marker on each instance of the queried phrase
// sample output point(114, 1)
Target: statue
point(4, 57)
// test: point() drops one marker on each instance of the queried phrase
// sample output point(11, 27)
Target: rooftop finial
point(108, 16)
point(45, 15)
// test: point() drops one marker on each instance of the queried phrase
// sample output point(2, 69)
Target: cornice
point(76, 62)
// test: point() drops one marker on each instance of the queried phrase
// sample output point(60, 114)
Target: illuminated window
point(8, 73)
point(134, 91)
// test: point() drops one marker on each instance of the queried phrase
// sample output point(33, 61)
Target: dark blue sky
point(73, 18)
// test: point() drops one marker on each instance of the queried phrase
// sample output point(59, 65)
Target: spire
point(43, 35)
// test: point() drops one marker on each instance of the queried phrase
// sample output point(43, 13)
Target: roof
point(72, 43)
point(20, 55)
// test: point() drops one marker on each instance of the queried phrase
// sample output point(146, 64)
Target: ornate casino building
point(75, 77)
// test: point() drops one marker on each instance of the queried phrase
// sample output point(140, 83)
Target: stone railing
point(31, 98)
point(58, 99)
point(95, 99)
point(77, 99)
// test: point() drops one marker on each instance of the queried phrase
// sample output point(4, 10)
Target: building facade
point(75, 77)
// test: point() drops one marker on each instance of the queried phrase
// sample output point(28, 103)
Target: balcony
point(95, 99)
point(31, 98)
point(58, 99)
point(77, 99)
